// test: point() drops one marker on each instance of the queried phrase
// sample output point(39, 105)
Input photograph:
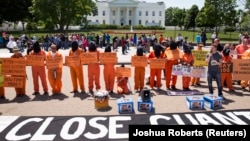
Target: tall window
point(103, 22)
point(103, 13)
point(113, 13)
point(146, 22)
point(139, 22)
point(130, 13)
point(97, 21)
point(121, 13)
point(153, 13)
point(159, 13)
point(139, 13)
point(113, 21)
point(159, 22)
point(146, 13)
point(153, 21)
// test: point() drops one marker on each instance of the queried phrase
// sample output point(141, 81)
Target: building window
point(159, 13)
point(146, 13)
point(139, 22)
point(139, 13)
point(159, 22)
point(130, 13)
point(103, 13)
point(153, 21)
point(97, 21)
point(146, 22)
point(153, 13)
point(113, 13)
point(121, 13)
point(113, 21)
point(103, 22)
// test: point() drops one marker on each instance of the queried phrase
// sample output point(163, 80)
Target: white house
point(129, 12)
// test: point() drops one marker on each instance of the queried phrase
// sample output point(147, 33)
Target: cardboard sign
point(108, 57)
point(198, 72)
point(226, 68)
point(35, 60)
point(11, 81)
point(173, 54)
point(199, 57)
point(177, 70)
point(89, 58)
point(241, 69)
point(139, 61)
point(186, 70)
point(157, 63)
point(54, 62)
point(72, 60)
point(122, 72)
point(14, 66)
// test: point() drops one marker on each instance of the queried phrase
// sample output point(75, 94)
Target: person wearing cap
point(39, 71)
point(139, 72)
point(122, 84)
point(2, 91)
point(194, 80)
point(94, 70)
point(55, 74)
point(19, 91)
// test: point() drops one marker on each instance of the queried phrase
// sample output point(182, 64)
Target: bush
point(31, 26)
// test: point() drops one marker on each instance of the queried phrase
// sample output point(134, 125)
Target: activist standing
point(155, 54)
point(39, 71)
point(214, 60)
point(55, 74)
point(108, 73)
point(19, 91)
point(172, 56)
point(244, 83)
point(122, 84)
point(94, 70)
point(187, 60)
point(194, 80)
point(76, 71)
point(139, 73)
point(2, 91)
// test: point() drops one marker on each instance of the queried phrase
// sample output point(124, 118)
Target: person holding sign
point(55, 73)
point(139, 73)
point(244, 83)
point(108, 73)
point(19, 91)
point(194, 80)
point(122, 84)
point(76, 70)
point(2, 91)
point(39, 71)
point(214, 60)
point(94, 70)
point(187, 60)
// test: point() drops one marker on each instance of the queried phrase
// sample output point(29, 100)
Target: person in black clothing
point(218, 45)
point(97, 40)
point(203, 38)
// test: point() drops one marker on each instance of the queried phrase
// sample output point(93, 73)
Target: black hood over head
point(92, 46)
point(74, 46)
point(36, 47)
point(173, 45)
point(139, 51)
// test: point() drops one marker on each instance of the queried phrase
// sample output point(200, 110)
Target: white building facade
point(129, 12)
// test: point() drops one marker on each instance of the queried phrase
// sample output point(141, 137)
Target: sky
point(187, 4)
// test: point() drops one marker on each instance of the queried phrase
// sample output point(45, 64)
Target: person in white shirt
point(11, 44)
point(213, 36)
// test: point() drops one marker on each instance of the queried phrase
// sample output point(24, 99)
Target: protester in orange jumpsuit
point(2, 91)
point(187, 60)
point(172, 56)
point(39, 71)
point(244, 83)
point(55, 74)
point(108, 73)
point(227, 58)
point(122, 84)
point(19, 91)
point(155, 72)
point(139, 73)
point(196, 81)
point(94, 70)
point(76, 71)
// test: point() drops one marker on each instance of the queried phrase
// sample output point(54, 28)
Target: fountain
point(131, 28)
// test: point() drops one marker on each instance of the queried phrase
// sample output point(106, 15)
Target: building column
point(118, 17)
point(127, 16)
point(135, 16)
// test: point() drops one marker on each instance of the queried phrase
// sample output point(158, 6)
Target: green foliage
point(174, 16)
point(191, 16)
point(31, 26)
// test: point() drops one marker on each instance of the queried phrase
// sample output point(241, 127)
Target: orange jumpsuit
point(109, 76)
point(2, 92)
point(55, 75)
point(196, 81)
point(20, 91)
point(172, 59)
point(189, 59)
point(139, 78)
point(94, 74)
point(39, 71)
point(154, 73)
point(76, 72)
point(122, 86)
point(245, 55)
point(227, 76)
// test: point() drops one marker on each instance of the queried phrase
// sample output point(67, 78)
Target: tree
point(174, 16)
point(190, 17)
point(62, 13)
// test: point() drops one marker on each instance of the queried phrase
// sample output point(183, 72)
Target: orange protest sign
point(108, 57)
point(72, 60)
point(122, 72)
point(157, 63)
point(173, 54)
point(13, 66)
point(54, 62)
point(35, 60)
point(241, 69)
point(139, 61)
point(226, 68)
point(89, 58)
point(11, 81)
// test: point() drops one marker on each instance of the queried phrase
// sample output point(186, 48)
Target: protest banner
point(177, 70)
point(54, 62)
point(226, 68)
point(72, 60)
point(157, 63)
point(108, 57)
point(122, 72)
point(89, 58)
point(186, 70)
point(241, 69)
point(139, 61)
point(198, 72)
point(35, 60)
point(14, 66)
point(199, 57)
point(11, 81)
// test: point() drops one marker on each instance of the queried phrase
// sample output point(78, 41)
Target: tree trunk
point(61, 27)
point(23, 24)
